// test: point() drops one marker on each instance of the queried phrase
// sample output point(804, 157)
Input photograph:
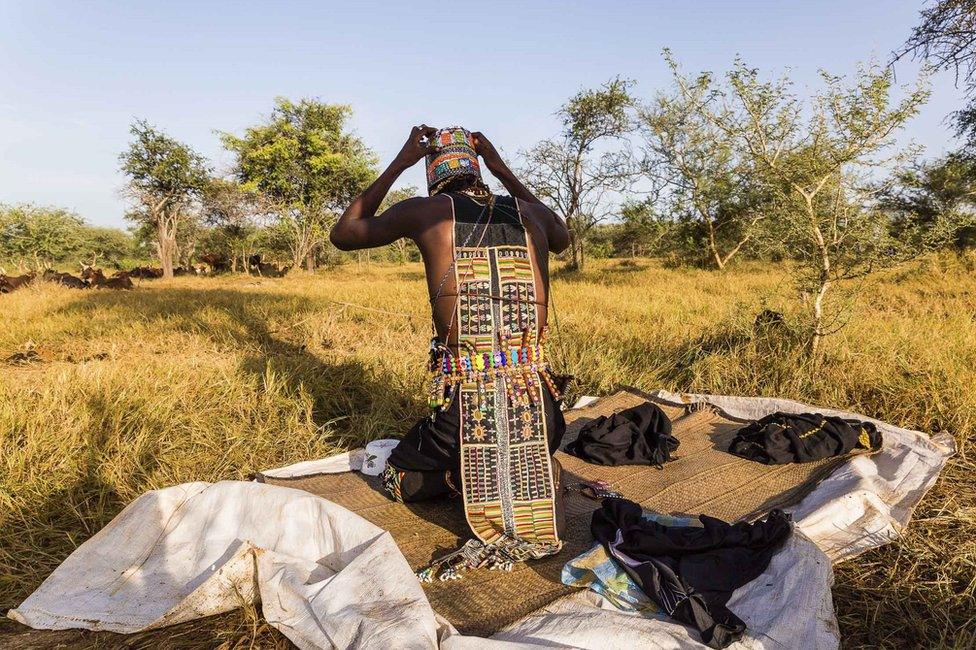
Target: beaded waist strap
point(520, 368)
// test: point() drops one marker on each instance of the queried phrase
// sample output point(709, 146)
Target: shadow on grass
point(770, 345)
point(339, 389)
point(72, 513)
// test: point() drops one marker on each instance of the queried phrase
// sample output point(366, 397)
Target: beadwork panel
point(506, 471)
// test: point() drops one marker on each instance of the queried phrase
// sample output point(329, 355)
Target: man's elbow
point(561, 239)
point(341, 239)
point(559, 243)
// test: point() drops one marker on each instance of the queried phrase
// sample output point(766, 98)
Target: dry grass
point(211, 378)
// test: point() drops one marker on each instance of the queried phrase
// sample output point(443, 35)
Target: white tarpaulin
point(328, 578)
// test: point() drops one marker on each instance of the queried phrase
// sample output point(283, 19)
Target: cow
point(65, 279)
point(97, 279)
point(255, 263)
point(145, 272)
point(218, 263)
point(10, 283)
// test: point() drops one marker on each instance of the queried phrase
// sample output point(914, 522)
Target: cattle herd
point(94, 278)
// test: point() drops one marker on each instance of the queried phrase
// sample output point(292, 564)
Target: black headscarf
point(636, 436)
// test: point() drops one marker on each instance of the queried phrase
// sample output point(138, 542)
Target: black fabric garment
point(782, 438)
point(691, 572)
point(421, 486)
point(433, 444)
point(636, 436)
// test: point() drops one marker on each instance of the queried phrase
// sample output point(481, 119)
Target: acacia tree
point(571, 173)
point(50, 235)
point(825, 162)
point(40, 234)
point(946, 40)
point(165, 179)
point(306, 165)
point(934, 201)
point(641, 229)
point(701, 166)
point(235, 214)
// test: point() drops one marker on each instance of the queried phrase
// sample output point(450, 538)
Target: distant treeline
point(36, 236)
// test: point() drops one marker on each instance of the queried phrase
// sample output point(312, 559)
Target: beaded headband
point(455, 156)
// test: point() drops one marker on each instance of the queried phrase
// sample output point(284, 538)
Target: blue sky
point(73, 75)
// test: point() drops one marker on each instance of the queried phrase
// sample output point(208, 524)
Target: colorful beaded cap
point(455, 156)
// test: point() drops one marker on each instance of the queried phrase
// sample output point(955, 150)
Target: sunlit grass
point(212, 378)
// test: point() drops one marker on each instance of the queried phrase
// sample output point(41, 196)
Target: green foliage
point(571, 174)
point(306, 163)
point(161, 169)
point(593, 114)
point(934, 201)
point(822, 160)
point(166, 179)
point(303, 156)
point(29, 232)
point(34, 235)
point(233, 214)
point(109, 245)
point(708, 182)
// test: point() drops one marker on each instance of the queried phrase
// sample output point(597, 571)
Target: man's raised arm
point(359, 227)
point(556, 231)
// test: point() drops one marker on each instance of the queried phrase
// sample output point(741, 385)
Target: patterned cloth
point(455, 156)
point(508, 481)
point(506, 471)
point(597, 571)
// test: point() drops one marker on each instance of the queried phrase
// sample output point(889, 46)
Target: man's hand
point(418, 145)
point(484, 148)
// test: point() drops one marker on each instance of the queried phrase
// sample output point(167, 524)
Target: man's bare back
point(496, 420)
point(428, 221)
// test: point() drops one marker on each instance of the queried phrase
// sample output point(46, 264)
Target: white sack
point(326, 577)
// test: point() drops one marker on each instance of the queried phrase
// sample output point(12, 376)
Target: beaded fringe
point(501, 555)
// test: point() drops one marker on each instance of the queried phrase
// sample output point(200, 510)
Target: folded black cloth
point(800, 438)
point(636, 436)
point(691, 572)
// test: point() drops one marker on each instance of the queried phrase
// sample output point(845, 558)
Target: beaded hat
point(455, 156)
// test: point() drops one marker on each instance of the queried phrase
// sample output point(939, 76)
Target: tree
point(641, 230)
point(701, 166)
point(571, 173)
point(401, 247)
point(824, 170)
point(934, 202)
point(110, 244)
point(165, 178)
point(44, 235)
point(307, 165)
point(234, 212)
point(946, 39)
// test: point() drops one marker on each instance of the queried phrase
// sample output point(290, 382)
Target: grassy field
point(105, 395)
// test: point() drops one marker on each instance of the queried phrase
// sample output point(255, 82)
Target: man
point(496, 420)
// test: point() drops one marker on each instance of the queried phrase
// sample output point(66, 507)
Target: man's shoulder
point(422, 206)
point(421, 201)
point(536, 211)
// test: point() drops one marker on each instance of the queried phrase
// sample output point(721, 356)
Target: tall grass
point(105, 395)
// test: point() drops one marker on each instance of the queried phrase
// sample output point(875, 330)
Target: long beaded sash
point(506, 471)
